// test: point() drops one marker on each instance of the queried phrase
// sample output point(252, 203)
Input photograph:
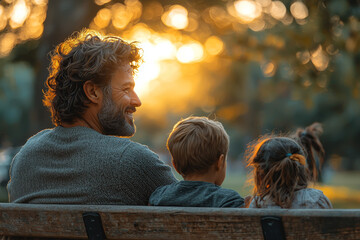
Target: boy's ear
point(220, 162)
point(93, 92)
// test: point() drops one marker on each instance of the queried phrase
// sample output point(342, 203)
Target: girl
point(281, 173)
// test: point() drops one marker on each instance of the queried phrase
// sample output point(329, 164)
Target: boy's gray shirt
point(78, 165)
point(195, 194)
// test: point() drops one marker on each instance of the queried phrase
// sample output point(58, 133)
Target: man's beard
point(113, 120)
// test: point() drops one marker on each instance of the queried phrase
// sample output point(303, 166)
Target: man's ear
point(93, 92)
point(220, 162)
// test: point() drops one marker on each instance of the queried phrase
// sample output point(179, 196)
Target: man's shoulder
point(137, 149)
point(42, 134)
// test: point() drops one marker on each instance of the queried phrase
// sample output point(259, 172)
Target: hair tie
point(304, 133)
point(299, 158)
point(288, 154)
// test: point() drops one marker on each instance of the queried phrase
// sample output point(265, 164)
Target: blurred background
point(258, 66)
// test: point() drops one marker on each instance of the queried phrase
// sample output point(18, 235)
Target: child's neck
point(207, 177)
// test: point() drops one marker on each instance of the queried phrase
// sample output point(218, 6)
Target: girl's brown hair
point(309, 139)
point(85, 56)
point(279, 169)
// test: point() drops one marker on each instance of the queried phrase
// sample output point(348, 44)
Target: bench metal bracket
point(93, 225)
point(272, 228)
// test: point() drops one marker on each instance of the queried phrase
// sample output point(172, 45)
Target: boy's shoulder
point(230, 198)
point(195, 193)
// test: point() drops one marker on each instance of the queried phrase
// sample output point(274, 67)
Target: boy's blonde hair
point(196, 143)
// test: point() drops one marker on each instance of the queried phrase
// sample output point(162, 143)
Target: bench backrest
point(142, 222)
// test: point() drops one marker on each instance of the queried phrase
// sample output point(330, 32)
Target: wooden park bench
point(143, 222)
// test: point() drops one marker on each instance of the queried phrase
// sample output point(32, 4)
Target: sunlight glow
point(191, 52)
point(320, 59)
point(156, 49)
point(299, 10)
point(165, 49)
point(141, 33)
point(247, 10)
point(148, 71)
point(176, 17)
point(19, 14)
point(278, 10)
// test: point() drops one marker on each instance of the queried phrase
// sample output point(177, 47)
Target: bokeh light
point(40, 2)
point(102, 18)
point(3, 18)
point(264, 3)
point(257, 25)
point(278, 10)
point(320, 59)
point(214, 45)
point(269, 69)
point(191, 52)
point(120, 17)
point(299, 10)
point(152, 11)
point(101, 2)
point(19, 14)
point(176, 17)
point(304, 56)
point(7, 42)
point(247, 10)
point(219, 16)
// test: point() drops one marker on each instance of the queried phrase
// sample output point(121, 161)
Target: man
point(83, 160)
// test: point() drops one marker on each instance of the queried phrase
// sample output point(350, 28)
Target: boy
point(198, 147)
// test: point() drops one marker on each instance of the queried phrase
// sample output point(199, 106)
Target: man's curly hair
point(85, 56)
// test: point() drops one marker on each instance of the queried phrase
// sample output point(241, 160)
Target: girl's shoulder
point(310, 198)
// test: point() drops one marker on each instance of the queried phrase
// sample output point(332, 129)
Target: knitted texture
point(81, 166)
point(304, 198)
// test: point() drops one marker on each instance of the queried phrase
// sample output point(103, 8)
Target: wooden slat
point(141, 222)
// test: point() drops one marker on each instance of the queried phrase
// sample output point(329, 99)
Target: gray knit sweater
point(81, 166)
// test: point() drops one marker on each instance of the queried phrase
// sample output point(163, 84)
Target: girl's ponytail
point(282, 179)
point(309, 139)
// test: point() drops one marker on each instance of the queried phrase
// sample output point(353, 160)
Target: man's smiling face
point(119, 103)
